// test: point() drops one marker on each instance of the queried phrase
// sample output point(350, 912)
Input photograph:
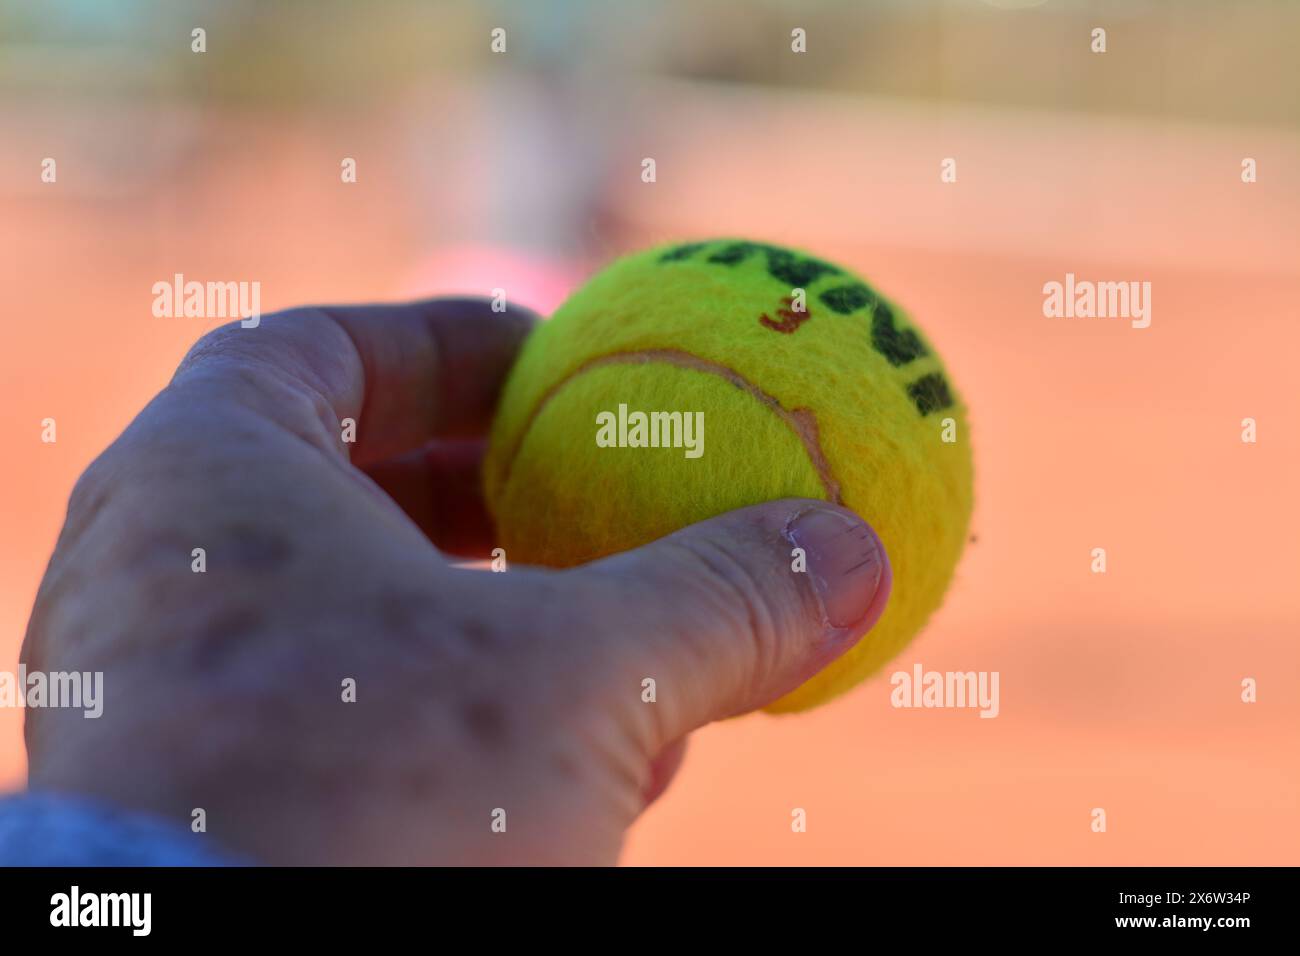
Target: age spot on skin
point(477, 635)
point(404, 612)
point(565, 765)
point(486, 722)
point(251, 547)
point(222, 637)
point(419, 781)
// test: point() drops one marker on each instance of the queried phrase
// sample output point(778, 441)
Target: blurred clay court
point(522, 171)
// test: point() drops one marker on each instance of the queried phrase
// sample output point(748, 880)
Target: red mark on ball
point(790, 321)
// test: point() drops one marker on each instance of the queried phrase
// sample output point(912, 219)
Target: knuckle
point(283, 392)
point(221, 343)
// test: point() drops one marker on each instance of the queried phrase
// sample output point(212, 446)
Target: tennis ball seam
point(802, 421)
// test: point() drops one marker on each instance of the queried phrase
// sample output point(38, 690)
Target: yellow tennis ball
point(810, 384)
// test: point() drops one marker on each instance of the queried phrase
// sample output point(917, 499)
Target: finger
point(663, 769)
point(406, 374)
point(718, 616)
point(440, 488)
point(432, 369)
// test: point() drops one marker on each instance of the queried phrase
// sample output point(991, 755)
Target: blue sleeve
point(47, 829)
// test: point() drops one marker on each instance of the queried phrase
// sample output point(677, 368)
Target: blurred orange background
point(522, 171)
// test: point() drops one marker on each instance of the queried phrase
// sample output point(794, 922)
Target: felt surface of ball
point(842, 400)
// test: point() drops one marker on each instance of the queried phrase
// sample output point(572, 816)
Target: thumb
point(726, 619)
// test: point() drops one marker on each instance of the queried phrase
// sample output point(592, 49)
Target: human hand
point(328, 561)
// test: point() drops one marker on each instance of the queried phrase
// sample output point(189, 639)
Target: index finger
point(406, 373)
